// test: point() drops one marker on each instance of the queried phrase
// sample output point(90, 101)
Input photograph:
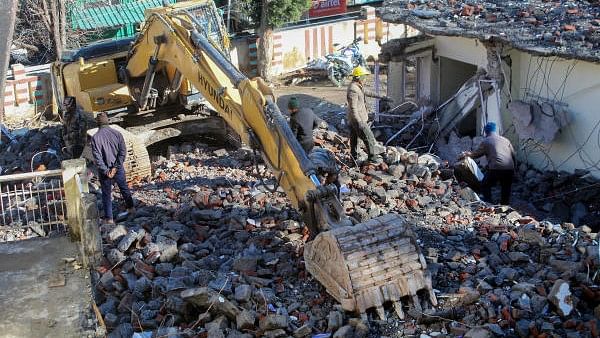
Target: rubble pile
point(213, 252)
point(563, 28)
point(570, 197)
point(21, 145)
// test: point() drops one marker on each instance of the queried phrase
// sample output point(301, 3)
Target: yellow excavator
point(180, 59)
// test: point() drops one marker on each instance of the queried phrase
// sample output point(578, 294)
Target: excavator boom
point(362, 266)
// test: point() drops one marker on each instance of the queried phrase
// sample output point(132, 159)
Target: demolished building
point(534, 65)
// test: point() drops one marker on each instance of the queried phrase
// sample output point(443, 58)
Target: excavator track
point(137, 161)
point(369, 264)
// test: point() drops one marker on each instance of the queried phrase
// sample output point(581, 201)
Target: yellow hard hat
point(359, 71)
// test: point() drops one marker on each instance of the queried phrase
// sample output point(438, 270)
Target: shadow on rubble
point(18, 148)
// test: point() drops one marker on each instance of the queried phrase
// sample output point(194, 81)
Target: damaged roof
point(568, 29)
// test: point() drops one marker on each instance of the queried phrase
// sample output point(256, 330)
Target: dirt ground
point(325, 99)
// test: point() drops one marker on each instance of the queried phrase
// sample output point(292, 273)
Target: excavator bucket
point(369, 264)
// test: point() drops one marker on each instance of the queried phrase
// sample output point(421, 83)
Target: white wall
point(461, 49)
point(547, 77)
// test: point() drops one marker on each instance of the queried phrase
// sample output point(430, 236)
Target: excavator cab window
point(212, 25)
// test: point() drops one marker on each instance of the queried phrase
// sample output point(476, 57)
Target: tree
point(8, 12)
point(267, 15)
point(44, 30)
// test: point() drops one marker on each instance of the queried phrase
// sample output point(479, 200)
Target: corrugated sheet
point(124, 14)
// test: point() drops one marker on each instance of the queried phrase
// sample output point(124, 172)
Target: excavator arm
point(248, 106)
point(362, 266)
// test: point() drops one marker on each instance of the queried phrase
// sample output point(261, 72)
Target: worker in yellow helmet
point(358, 114)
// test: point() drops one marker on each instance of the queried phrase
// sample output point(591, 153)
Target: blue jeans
point(106, 184)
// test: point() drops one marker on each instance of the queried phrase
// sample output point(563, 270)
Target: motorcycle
point(341, 63)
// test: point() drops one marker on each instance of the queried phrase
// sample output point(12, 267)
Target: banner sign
point(327, 7)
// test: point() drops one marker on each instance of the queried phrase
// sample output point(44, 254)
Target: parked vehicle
point(339, 65)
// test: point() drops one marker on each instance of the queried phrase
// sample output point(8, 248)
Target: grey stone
point(116, 233)
point(538, 303)
point(380, 193)
point(478, 332)
point(222, 284)
point(303, 331)
point(522, 328)
point(127, 240)
point(290, 225)
point(167, 248)
point(218, 323)
point(171, 332)
point(142, 285)
point(107, 279)
point(278, 333)
point(518, 257)
point(111, 319)
point(124, 330)
point(245, 264)
point(547, 327)
point(274, 322)
point(396, 170)
point(115, 256)
point(565, 266)
point(346, 331)
point(163, 269)
point(560, 295)
point(495, 329)
point(205, 297)
point(243, 293)
point(207, 215)
point(245, 320)
point(335, 319)
point(523, 287)
point(508, 274)
point(361, 330)
point(215, 333)
point(525, 302)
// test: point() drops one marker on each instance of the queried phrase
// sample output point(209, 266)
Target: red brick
point(467, 10)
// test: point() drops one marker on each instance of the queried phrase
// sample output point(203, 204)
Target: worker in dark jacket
point(108, 147)
point(500, 155)
point(302, 122)
point(74, 128)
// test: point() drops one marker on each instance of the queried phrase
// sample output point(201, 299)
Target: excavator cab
point(96, 74)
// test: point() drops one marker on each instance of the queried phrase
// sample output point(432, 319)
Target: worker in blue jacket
point(108, 147)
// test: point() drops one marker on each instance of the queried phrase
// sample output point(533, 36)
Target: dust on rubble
point(211, 252)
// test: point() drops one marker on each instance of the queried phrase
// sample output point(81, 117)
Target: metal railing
point(32, 205)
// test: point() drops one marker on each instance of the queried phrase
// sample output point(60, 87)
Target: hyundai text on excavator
point(182, 51)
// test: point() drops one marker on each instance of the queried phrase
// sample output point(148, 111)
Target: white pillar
point(396, 81)
point(424, 77)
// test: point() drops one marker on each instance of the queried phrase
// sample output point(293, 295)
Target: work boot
point(374, 159)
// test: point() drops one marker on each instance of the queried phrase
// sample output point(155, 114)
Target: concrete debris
point(560, 296)
point(535, 121)
point(213, 252)
point(563, 28)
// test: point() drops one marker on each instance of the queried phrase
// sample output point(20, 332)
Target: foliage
point(42, 29)
point(279, 11)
